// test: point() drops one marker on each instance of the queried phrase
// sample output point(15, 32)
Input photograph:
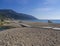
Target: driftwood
point(24, 25)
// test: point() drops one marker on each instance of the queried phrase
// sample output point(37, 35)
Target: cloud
point(43, 9)
point(51, 1)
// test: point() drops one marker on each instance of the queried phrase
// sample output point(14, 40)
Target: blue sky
point(41, 9)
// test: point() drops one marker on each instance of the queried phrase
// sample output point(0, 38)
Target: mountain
point(11, 14)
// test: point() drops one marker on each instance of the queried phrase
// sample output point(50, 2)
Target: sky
point(41, 9)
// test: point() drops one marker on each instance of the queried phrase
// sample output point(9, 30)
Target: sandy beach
point(35, 36)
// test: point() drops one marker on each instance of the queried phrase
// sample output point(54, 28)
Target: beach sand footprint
point(19, 44)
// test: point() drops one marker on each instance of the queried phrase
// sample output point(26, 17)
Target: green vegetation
point(1, 20)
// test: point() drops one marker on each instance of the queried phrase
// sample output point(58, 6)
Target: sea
point(53, 21)
point(46, 21)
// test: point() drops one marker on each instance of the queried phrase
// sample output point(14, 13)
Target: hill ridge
point(9, 13)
